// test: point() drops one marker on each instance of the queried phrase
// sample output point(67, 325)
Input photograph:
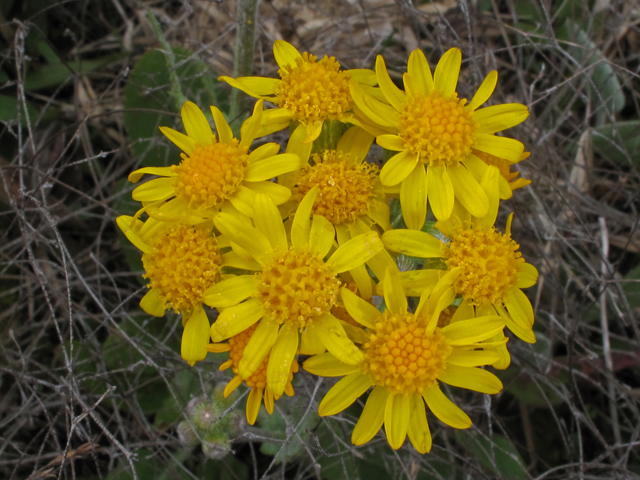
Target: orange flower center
point(182, 265)
point(402, 356)
point(211, 174)
point(438, 129)
point(296, 287)
point(489, 260)
point(346, 189)
point(313, 90)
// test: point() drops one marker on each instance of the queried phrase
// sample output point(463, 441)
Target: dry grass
point(89, 386)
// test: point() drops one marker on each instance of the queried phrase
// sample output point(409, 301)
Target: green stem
point(247, 15)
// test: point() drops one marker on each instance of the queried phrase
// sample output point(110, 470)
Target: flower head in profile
point(309, 91)
point(181, 262)
point(214, 171)
point(257, 381)
point(492, 270)
point(435, 134)
point(293, 291)
point(406, 357)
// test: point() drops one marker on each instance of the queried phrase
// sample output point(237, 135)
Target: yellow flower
point(181, 262)
point(258, 379)
point(435, 134)
point(350, 197)
point(509, 180)
point(214, 172)
point(405, 357)
point(492, 270)
point(293, 292)
point(309, 91)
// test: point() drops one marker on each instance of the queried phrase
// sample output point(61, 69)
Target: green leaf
point(508, 462)
point(631, 288)
point(9, 111)
point(147, 95)
point(57, 73)
point(618, 142)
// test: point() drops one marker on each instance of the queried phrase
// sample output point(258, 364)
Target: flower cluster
point(297, 253)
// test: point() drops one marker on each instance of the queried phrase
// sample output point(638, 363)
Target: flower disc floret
point(489, 260)
point(211, 174)
point(296, 287)
point(182, 265)
point(314, 90)
point(346, 190)
point(402, 356)
point(438, 129)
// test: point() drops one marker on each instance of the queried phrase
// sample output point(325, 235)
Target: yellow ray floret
point(214, 172)
point(436, 134)
point(406, 356)
point(293, 292)
point(309, 91)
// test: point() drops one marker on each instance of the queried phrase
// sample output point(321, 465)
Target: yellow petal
point(249, 238)
point(326, 365)
point(256, 87)
point(220, 348)
point(519, 306)
point(396, 419)
point(490, 184)
point(473, 330)
point(180, 140)
point(274, 120)
point(419, 71)
point(268, 401)
point(413, 243)
point(313, 131)
point(417, 282)
point(441, 193)
point(443, 408)
point(398, 168)
point(230, 292)
point(527, 275)
point(484, 91)
point(391, 142)
point(519, 328)
point(360, 310)
point(419, 432)
point(500, 117)
point(413, 198)
point(269, 222)
point(447, 72)
point(301, 224)
point(258, 347)
point(310, 343)
point(131, 228)
point(363, 75)
point(243, 199)
point(502, 147)
point(394, 296)
point(234, 383)
point(468, 191)
point(196, 124)
point(161, 171)
point(332, 335)
point(344, 393)
point(264, 151)
point(251, 126)
point(253, 405)
point(152, 303)
point(471, 378)
point(363, 281)
point(236, 319)
point(232, 259)
point(277, 193)
point(473, 358)
point(272, 167)
point(355, 252)
point(195, 337)
point(355, 142)
point(321, 235)
point(225, 135)
point(393, 94)
point(371, 418)
point(285, 54)
point(155, 190)
point(281, 359)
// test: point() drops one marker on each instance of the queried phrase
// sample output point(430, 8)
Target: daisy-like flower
point(406, 356)
point(293, 293)
point(181, 263)
point(257, 382)
point(309, 91)
point(350, 197)
point(214, 172)
point(492, 270)
point(435, 134)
